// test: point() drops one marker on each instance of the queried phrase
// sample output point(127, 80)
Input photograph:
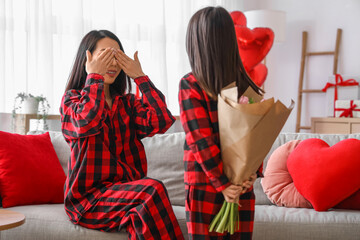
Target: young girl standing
point(106, 186)
point(215, 62)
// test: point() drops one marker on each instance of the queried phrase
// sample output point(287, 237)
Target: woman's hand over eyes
point(99, 63)
point(131, 67)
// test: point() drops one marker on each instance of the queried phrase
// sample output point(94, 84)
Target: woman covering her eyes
point(106, 186)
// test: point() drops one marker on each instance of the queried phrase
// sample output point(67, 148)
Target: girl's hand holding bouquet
point(248, 127)
point(249, 183)
point(232, 193)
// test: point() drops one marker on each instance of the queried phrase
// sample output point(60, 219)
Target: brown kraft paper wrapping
point(247, 131)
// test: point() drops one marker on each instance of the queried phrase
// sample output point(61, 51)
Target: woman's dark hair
point(212, 48)
point(78, 73)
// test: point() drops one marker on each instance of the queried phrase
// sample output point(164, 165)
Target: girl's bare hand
point(99, 63)
point(248, 184)
point(232, 193)
point(131, 67)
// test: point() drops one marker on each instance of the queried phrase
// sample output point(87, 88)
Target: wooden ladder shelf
point(304, 55)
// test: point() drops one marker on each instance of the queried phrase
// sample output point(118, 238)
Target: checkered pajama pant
point(142, 207)
point(204, 202)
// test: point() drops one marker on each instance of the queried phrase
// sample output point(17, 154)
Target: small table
point(10, 219)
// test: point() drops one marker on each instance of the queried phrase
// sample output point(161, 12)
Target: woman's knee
point(156, 184)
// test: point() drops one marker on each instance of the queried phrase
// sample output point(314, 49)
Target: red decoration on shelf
point(339, 82)
point(254, 45)
point(348, 112)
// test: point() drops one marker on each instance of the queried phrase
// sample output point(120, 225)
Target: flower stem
point(215, 222)
point(224, 219)
point(232, 215)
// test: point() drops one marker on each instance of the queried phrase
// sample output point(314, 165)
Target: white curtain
point(39, 40)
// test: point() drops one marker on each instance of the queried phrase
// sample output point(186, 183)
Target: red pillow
point(352, 202)
point(30, 172)
point(325, 175)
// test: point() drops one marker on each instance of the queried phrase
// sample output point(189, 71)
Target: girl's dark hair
point(78, 73)
point(212, 48)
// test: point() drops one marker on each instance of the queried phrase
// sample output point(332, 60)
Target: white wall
point(320, 18)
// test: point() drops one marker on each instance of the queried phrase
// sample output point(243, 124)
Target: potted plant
point(30, 104)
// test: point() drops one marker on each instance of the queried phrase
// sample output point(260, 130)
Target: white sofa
point(165, 163)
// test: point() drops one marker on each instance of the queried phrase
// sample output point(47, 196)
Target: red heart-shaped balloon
point(325, 175)
point(258, 74)
point(253, 44)
point(238, 18)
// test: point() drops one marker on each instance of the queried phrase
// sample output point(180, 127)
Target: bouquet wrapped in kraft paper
point(247, 133)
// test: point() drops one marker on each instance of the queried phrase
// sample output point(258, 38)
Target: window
point(39, 40)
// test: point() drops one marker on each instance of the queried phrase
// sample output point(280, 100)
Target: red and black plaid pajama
point(204, 177)
point(106, 186)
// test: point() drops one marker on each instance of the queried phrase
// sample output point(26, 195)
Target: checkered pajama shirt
point(204, 177)
point(106, 186)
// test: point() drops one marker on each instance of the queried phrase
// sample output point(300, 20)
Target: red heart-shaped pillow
point(325, 175)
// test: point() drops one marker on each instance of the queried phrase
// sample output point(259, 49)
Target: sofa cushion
point(62, 149)
point(164, 163)
point(260, 196)
point(281, 223)
point(30, 172)
point(49, 221)
point(331, 139)
point(164, 154)
point(277, 182)
point(318, 171)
